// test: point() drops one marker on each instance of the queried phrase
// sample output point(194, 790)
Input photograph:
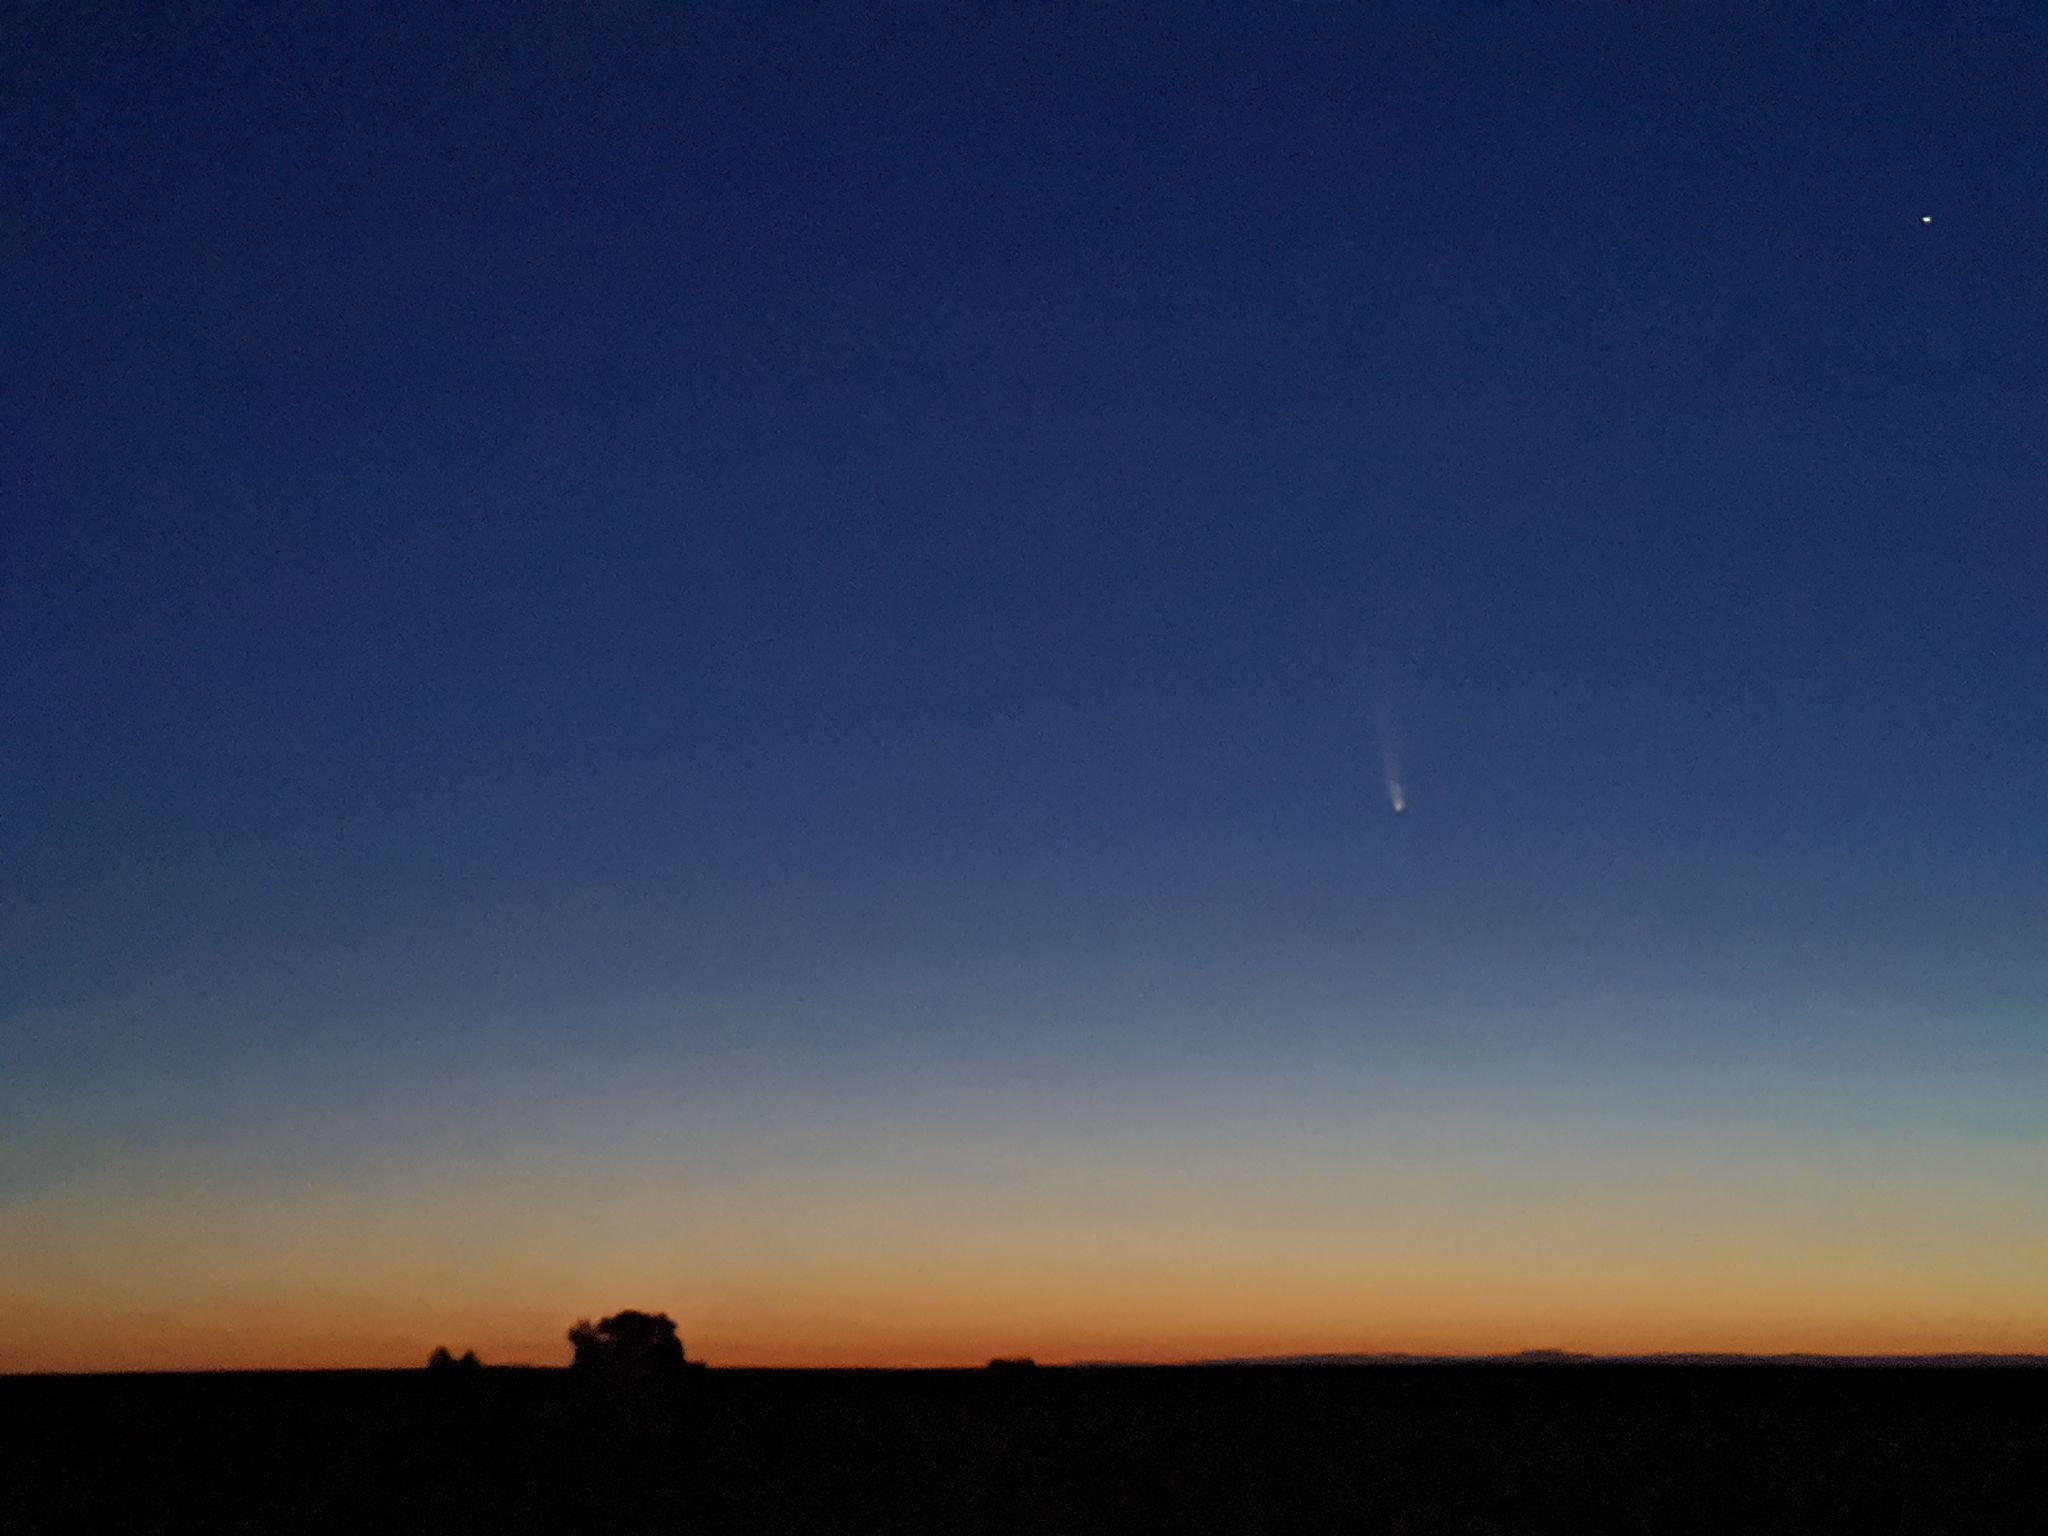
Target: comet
point(1390, 759)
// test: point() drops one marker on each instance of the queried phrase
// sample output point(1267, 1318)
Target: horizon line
point(1958, 1359)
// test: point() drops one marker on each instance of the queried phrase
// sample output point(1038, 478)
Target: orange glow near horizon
point(915, 1317)
point(186, 1344)
point(1520, 1223)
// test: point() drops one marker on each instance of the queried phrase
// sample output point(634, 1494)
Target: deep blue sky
point(808, 550)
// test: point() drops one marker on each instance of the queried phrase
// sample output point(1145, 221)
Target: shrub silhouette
point(441, 1360)
point(628, 1346)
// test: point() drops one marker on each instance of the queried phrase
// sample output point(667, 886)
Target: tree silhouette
point(637, 1346)
point(442, 1360)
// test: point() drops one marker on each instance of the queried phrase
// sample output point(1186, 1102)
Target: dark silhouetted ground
point(1494, 1449)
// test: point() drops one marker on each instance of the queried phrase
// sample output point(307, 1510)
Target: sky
point(750, 660)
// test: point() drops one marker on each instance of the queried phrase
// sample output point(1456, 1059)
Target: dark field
point(1402, 1449)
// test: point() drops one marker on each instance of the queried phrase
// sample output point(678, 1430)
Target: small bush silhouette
point(441, 1360)
point(628, 1346)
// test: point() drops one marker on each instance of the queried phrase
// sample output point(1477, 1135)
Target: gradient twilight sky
point(730, 658)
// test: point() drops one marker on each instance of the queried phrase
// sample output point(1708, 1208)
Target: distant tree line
point(625, 1347)
point(629, 1347)
point(634, 1346)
